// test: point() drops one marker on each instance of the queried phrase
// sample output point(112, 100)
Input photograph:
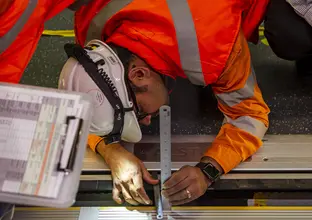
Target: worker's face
point(149, 90)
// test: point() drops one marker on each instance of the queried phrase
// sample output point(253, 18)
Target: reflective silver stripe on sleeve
point(10, 36)
point(78, 3)
point(99, 20)
point(187, 40)
point(233, 98)
point(248, 124)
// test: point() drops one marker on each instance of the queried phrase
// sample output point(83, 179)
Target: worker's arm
point(93, 141)
point(4, 5)
point(246, 114)
point(60, 5)
point(57, 6)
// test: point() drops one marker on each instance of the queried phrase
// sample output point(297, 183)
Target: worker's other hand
point(128, 173)
point(185, 185)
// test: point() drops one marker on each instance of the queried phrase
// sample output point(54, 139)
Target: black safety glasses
point(140, 114)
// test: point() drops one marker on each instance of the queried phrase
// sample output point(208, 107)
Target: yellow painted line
point(265, 42)
point(202, 208)
point(61, 33)
point(71, 33)
point(253, 208)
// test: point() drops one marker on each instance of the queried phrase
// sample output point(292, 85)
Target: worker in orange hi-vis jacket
point(127, 57)
point(155, 42)
point(21, 25)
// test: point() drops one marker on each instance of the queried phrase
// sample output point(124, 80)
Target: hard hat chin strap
point(103, 81)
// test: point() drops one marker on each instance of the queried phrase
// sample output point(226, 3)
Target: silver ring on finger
point(189, 195)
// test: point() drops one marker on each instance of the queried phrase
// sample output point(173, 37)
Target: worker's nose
point(146, 120)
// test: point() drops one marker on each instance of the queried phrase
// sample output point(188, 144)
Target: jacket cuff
point(93, 141)
point(225, 156)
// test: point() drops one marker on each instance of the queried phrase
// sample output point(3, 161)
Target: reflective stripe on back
point(233, 98)
point(248, 124)
point(184, 27)
point(78, 3)
point(187, 40)
point(99, 20)
point(10, 36)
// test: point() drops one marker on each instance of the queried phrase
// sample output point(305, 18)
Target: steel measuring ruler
point(165, 156)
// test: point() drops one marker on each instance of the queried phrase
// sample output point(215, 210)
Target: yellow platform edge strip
point(71, 33)
point(179, 208)
point(61, 33)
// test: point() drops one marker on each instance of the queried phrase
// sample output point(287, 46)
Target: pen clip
point(69, 151)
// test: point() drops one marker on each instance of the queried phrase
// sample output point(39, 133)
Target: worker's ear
point(139, 75)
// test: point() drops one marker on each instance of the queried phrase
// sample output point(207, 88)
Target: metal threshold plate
point(230, 176)
point(291, 153)
point(255, 182)
point(94, 213)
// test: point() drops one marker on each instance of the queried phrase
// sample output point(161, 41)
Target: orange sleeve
point(93, 141)
point(246, 113)
point(57, 6)
point(4, 5)
point(252, 18)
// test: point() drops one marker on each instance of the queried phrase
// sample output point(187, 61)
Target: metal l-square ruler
point(165, 157)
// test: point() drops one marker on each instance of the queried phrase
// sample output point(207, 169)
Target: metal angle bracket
point(165, 157)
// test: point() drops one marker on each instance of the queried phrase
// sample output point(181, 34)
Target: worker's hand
point(185, 185)
point(128, 173)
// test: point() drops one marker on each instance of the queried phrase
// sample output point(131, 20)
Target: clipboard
point(43, 139)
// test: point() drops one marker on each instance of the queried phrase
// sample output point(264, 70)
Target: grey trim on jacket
point(303, 8)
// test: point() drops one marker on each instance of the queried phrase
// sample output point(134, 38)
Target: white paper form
point(31, 125)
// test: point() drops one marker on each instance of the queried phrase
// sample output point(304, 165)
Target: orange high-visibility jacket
point(21, 26)
point(202, 40)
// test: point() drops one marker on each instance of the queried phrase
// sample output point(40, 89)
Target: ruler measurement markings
point(165, 154)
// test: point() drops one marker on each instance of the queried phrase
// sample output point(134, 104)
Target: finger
point(133, 191)
point(116, 194)
point(127, 195)
point(138, 182)
point(177, 188)
point(181, 195)
point(144, 196)
point(176, 178)
point(147, 176)
point(135, 195)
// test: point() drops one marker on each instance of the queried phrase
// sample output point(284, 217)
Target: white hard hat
point(97, 71)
